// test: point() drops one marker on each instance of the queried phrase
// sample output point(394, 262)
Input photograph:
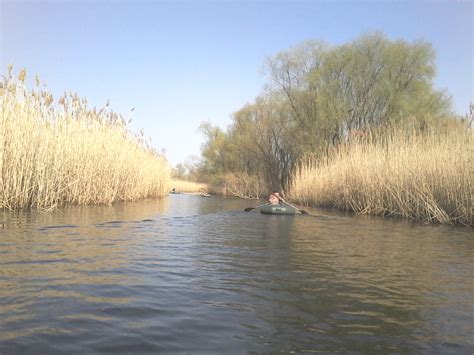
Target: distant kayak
point(277, 209)
point(175, 192)
point(205, 194)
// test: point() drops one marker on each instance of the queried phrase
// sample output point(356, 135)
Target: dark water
point(199, 275)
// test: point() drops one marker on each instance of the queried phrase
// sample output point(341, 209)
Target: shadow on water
point(187, 273)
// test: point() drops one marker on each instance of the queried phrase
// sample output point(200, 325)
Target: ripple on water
point(209, 277)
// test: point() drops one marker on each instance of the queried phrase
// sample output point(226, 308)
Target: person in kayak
point(275, 198)
point(272, 199)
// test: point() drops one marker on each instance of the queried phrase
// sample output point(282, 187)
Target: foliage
point(318, 96)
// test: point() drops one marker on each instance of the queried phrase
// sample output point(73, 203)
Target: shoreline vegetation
point(188, 186)
point(421, 176)
point(358, 126)
point(63, 152)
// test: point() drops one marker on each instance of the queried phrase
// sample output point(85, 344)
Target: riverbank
point(424, 177)
point(188, 186)
point(63, 152)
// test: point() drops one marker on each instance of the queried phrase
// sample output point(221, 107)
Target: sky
point(180, 63)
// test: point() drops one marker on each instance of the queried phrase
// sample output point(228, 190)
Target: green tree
point(316, 95)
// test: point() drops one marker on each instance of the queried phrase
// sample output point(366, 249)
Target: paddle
point(289, 204)
point(252, 208)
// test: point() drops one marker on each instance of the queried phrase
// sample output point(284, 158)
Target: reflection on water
point(187, 273)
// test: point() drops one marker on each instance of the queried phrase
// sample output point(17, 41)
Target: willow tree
point(264, 135)
point(360, 85)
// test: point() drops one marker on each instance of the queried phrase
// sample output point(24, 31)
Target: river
point(200, 275)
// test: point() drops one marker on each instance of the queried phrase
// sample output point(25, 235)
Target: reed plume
point(59, 152)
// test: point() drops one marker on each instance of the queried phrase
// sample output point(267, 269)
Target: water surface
point(200, 275)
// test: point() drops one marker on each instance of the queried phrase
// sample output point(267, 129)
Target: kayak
point(277, 209)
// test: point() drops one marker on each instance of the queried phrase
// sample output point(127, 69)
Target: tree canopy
point(315, 97)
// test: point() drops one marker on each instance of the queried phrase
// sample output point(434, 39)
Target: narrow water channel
point(193, 274)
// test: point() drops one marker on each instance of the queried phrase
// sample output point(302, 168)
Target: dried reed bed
point(425, 176)
point(57, 153)
point(188, 186)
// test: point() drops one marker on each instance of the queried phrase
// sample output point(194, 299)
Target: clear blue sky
point(181, 63)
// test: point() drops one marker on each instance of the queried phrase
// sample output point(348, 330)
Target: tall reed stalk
point(425, 176)
point(53, 153)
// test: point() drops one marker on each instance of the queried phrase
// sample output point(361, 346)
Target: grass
point(188, 186)
point(426, 177)
point(54, 153)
